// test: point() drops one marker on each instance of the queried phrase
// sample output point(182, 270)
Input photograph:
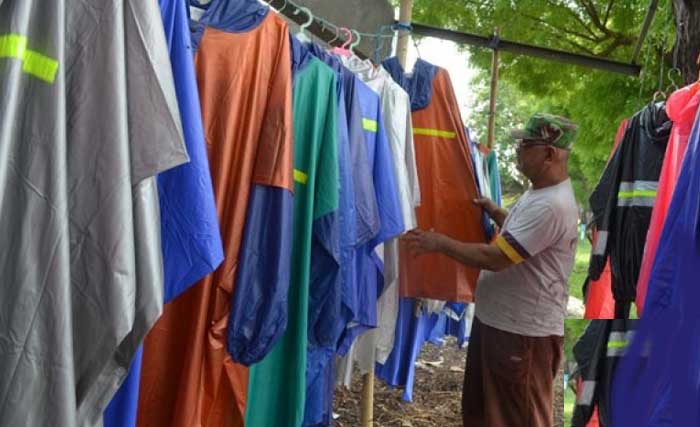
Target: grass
point(578, 276)
point(569, 402)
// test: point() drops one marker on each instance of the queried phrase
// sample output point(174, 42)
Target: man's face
point(532, 156)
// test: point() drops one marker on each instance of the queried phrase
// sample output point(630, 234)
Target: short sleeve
point(533, 230)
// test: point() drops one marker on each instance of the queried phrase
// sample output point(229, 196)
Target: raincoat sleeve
point(259, 302)
point(588, 353)
point(324, 286)
point(603, 203)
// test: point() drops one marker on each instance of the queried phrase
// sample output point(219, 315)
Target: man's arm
point(475, 255)
point(496, 213)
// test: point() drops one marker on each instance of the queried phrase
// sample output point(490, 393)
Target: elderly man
point(516, 340)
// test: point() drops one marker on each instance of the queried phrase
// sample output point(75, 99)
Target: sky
point(445, 54)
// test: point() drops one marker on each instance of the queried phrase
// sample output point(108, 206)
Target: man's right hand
point(491, 208)
point(488, 205)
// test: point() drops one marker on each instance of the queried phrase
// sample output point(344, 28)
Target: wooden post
point(367, 406)
point(494, 91)
point(405, 14)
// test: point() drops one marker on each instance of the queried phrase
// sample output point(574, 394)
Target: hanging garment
point(377, 343)
point(681, 108)
point(327, 315)
point(593, 421)
point(86, 289)
point(598, 296)
point(359, 222)
point(246, 111)
point(369, 266)
point(278, 383)
point(447, 183)
point(657, 382)
point(598, 353)
point(190, 235)
point(623, 199)
point(483, 185)
point(412, 331)
point(494, 177)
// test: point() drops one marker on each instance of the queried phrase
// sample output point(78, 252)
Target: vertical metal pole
point(494, 92)
point(405, 14)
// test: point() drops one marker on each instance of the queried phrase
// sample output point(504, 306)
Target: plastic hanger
point(358, 39)
point(337, 36)
point(343, 50)
point(302, 29)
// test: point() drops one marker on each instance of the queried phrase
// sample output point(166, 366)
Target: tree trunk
point(687, 13)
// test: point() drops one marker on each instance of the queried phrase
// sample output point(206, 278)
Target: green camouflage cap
point(557, 131)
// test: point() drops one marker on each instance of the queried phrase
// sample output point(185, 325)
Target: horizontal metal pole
point(316, 28)
point(525, 49)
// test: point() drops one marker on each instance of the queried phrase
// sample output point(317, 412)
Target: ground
point(436, 394)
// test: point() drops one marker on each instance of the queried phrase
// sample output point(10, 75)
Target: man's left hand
point(422, 242)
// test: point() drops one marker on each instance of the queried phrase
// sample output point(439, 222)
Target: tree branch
point(562, 30)
point(593, 13)
point(607, 12)
point(574, 15)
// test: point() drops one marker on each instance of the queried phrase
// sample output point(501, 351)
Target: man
point(516, 340)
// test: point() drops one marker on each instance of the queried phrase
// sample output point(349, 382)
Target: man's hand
point(491, 208)
point(488, 205)
point(475, 255)
point(422, 242)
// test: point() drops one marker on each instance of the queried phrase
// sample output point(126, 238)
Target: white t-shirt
point(539, 235)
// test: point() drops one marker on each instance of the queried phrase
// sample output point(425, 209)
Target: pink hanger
point(343, 50)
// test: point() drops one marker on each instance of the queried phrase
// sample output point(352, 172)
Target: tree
point(598, 101)
point(687, 14)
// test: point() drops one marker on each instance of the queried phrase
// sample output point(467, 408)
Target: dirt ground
point(436, 394)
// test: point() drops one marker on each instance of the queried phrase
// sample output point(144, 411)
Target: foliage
point(598, 101)
point(580, 272)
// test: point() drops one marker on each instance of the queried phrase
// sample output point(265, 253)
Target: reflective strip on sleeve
point(509, 250)
point(618, 342)
point(33, 63)
point(587, 391)
point(601, 243)
point(637, 193)
point(435, 132)
point(300, 177)
point(369, 125)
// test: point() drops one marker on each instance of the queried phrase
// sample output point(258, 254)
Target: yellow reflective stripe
point(369, 125)
point(435, 132)
point(617, 344)
point(636, 193)
point(300, 177)
point(508, 250)
point(33, 63)
point(12, 46)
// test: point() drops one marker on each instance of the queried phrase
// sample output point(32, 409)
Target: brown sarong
point(509, 378)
